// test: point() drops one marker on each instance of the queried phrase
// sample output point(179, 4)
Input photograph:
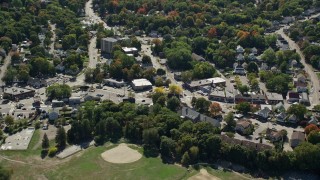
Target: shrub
point(52, 151)
point(37, 125)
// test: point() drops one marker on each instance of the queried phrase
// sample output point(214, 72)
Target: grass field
point(89, 164)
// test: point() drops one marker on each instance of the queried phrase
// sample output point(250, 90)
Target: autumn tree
point(215, 108)
point(175, 89)
point(310, 127)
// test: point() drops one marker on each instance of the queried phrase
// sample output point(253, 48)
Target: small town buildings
point(53, 115)
point(239, 70)
point(314, 120)
point(273, 135)
point(107, 44)
point(216, 95)
point(130, 50)
point(195, 116)
point(16, 93)
point(74, 101)
point(254, 51)
point(264, 113)
point(274, 98)
point(293, 119)
point(239, 49)
point(297, 138)
point(114, 82)
point(141, 84)
point(304, 99)
point(244, 127)
point(281, 117)
point(177, 76)
point(57, 103)
point(240, 57)
point(293, 97)
point(216, 81)
point(197, 57)
point(37, 82)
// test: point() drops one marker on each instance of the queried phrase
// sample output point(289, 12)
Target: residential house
point(239, 70)
point(254, 51)
point(293, 97)
point(252, 57)
point(258, 99)
point(304, 99)
point(74, 101)
point(244, 126)
point(240, 57)
point(274, 98)
point(297, 138)
point(60, 67)
point(239, 49)
point(273, 135)
point(281, 117)
point(288, 20)
point(264, 113)
point(314, 120)
point(195, 116)
point(292, 119)
point(264, 66)
point(189, 113)
point(197, 57)
point(177, 76)
point(53, 115)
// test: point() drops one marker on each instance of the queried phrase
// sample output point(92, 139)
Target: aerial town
point(113, 89)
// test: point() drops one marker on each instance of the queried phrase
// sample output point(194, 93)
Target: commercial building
point(130, 50)
point(107, 44)
point(194, 85)
point(16, 93)
point(141, 84)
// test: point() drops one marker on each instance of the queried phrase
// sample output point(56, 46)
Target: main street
point(314, 92)
point(53, 38)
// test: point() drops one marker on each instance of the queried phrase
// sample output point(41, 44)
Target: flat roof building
point(16, 93)
point(107, 44)
point(141, 84)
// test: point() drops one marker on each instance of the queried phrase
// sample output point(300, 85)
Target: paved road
point(53, 38)
point(314, 93)
point(4, 67)
point(90, 13)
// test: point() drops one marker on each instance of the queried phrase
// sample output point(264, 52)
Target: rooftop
point(129, 49)
point(141, 82)
point(109, 39)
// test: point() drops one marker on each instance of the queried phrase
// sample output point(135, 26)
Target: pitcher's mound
point(203, 175)
point(121, 154)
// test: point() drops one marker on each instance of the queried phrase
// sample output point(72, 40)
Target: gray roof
point(197, 57)
point(189, 113)
point(109, 39)
point(205, 118)
point(297, 135)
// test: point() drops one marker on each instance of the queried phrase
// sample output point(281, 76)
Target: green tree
point(243, 107)
point(69, 41)
point(243, 89)
point(61, 138)
point(314, 137)
point(45, 141)
point(202, 105)
point(173, 103)
point(269, 56)
point(203, 70)
point(5, 174)
point(229, 119)
point(297, 109)
point(9, 120)
point(252, 68)
point(58, 91)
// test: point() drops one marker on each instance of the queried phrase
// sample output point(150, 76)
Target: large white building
point(107, 44)
point(141, 84)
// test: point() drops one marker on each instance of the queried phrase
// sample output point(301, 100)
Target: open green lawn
point(89, 164)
